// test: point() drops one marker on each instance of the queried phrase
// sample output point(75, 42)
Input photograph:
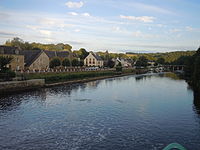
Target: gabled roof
point(9, 50)
point(30, 56)
point(96, 56)
point(52, 54)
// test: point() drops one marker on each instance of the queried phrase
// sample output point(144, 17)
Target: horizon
point(128, 26)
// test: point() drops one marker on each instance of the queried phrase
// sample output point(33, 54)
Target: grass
point(67, 76)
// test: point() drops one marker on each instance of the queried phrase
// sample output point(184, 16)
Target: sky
point(113, 25)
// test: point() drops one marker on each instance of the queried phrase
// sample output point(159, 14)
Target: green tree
point(66, 62)
point(110, 63)
point(142, 62)
point(4, 61)
point(75, 62)
point(119, 67)
point(161, 61)
point(55, 63)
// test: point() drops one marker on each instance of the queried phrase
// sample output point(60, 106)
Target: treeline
point(192, 70)
point(17, 42)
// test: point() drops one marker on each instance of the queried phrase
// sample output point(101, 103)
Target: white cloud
point(77, 30)
point(188, 28)
point(141, 18)
point(137, 33)
point(73, 13)
point(86, 14)
point(174, 30)
point(74, 4)
point(45, 32)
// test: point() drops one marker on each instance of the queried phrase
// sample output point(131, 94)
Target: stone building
point(17, 62)
point(35, 60)
point(93, 60)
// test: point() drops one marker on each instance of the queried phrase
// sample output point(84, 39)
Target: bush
point(7, 74)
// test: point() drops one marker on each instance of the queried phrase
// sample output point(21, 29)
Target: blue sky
point(114, 25)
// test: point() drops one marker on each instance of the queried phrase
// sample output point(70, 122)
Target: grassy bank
point(67, 76)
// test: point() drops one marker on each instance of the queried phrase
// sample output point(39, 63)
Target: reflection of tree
point(197, 101)
point(171, 76)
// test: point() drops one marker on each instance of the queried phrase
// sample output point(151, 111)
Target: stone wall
point(14, 86)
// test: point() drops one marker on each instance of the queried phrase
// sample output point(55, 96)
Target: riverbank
point(56, 79)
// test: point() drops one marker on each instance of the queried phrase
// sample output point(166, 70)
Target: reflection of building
point(93, 60)
point(35, 59)
point(17, 62)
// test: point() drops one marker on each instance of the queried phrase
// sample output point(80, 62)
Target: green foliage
point(142, 62)
point(81, 53)
point(110, 63)
point(17, 42)
point(81, 63)
point(60, 77)
point(66, 62)
point(75, 62)
point(4, 60)
point(54, 63)
point(119, 67)
point(161, 61)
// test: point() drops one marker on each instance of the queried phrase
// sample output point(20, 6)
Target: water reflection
point(116, 113)
point(197, 101)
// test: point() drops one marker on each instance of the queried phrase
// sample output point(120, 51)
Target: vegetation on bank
point(5, 72)
point(192, 69)
point(62, 77)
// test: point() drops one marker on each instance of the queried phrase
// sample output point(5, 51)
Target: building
point(60, 54)
point(17, 62)
point(124, 62)
point(35, 60)
point(93, 60)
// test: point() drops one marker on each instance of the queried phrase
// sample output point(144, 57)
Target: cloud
point(86, 14)
point(73, 13)
point(174, 30)
point(77, 30)
point(74, 4)
point(141, 18)
point(2, 33)
point(45, 32)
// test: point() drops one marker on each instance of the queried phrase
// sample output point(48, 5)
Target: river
point(125, 113)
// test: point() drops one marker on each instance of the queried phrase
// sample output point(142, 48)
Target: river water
point(125, 113)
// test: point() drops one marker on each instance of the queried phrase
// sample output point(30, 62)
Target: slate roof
point(30, 56)
point(9, 50)
point(52, 54)
point(96, 56)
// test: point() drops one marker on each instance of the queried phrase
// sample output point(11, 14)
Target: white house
point(124, 62)
point(93, 60)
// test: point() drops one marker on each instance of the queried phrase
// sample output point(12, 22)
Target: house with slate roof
point(94, 60)
point(17, 62)
point(60, 54)
point(35, 59)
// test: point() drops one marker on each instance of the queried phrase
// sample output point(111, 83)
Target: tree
point(81, 63)
point(161, 61)
point(6, 73)
point(110, 63)
point(66, 62)
point(75, 62)
point(142, 61)
point(119, 67)
point(4, 61)
point(55, 63)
